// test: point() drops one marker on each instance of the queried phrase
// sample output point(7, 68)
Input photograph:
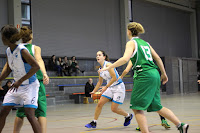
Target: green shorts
point(146, 91)
point(42, 104)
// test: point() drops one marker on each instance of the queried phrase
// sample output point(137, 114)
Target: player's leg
point(18, 124)
point(164, 122)
point(40, 112)
point(3, 114)
point(43, 123)
point(141, 120)
point(143, 95)
point(31, 103)
point(20, 114)
point(128, 117)
point(9, 102)
point(30, 114)
point(167, 113)
point(115, 108)
point(156, 106)
point(97, 113)
point(118, 98)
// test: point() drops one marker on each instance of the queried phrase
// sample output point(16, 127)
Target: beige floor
point(71, 118)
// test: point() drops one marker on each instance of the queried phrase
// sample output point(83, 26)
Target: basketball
point(96, 95)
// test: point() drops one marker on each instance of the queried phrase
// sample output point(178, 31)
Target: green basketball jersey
point(30, 47)
point(142, 59)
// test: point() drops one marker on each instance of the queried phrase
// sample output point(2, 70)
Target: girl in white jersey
point(24, 91)
point(114, 90)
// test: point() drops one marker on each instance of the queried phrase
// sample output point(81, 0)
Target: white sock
point(178, 125)
point(128, 115)
point(95, 121)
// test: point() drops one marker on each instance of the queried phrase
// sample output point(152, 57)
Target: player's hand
point(103, 89)
point(45, 79)
point(92, 93)
point(163, 78)
point(15, 86)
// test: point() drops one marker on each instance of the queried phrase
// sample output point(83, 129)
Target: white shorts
point(116, 93)
point(26, 95)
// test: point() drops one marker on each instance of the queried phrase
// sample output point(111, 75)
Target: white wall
point(167, 29)
point(77, 27)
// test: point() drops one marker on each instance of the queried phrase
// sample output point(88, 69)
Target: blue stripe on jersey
point(10, 104)
point(117, 75)
point(27, 69)
point(30, 106)
point(116, 102)
point(106, 96)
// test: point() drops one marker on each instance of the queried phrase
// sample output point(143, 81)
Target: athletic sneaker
point(165, 124)
point(183, 128)
point(91, 125)
point(128, 120)
point(138, 129)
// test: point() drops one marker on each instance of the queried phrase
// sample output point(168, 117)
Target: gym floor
point(71, 118)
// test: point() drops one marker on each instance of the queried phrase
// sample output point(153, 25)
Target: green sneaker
point(183, 128)
point(138, 129)
point(165, 124)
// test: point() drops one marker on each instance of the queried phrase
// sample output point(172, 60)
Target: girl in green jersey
point(146, 88)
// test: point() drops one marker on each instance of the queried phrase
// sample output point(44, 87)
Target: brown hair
point(11, 33)
point(25, 33)
point(136, 28)
point(104, 54)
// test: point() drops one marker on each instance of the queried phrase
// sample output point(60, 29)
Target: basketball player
point(164, 122)
point(114, 89)
point(42, 77)
point(146, 88)
point(24, 91)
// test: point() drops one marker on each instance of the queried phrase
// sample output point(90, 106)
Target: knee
point(100, 104)
point(114, 109)
point(30, 114)
point(138, 111)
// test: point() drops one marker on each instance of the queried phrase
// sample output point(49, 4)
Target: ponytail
point(25, 33)
point(136, 28)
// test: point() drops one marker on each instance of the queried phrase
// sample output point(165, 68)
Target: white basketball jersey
point(19, 66)
point(106, 75)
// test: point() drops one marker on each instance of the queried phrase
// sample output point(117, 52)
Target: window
point(130, 6)
point(26, 12)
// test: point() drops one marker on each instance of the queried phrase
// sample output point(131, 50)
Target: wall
point(167, 29)
point(77, 27)
point(198, 24)
point(3, 21)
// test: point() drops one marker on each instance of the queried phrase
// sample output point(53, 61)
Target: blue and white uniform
point(116, 91)
point(27, 93)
